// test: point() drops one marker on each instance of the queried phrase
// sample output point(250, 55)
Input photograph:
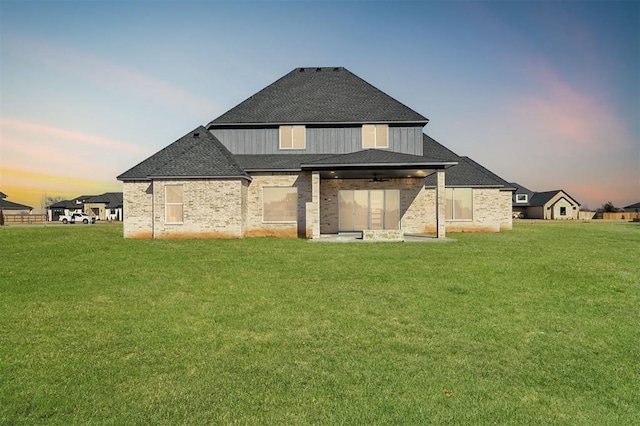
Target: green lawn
point(540, 325)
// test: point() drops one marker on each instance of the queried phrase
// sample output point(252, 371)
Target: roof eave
point(166, 177)
point(213, 124)
point(337, 166)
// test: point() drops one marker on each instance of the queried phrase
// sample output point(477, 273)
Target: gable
point(198, 154)
point(316, 96)
point(540, 199)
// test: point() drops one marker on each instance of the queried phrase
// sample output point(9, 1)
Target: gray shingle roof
point(374, 157)
point(112, 200)
point(3, 195)
point(520, 190)
point(9, 205)
point(261, 162)
point(633, 206)
point(196, 154)
point(469, 173)
point(433, 149)
point(319, 95)
point(542, 198)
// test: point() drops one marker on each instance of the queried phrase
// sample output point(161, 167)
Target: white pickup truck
point(77, 217)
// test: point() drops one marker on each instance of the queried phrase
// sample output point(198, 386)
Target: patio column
point(441, 200)
point(313, 208)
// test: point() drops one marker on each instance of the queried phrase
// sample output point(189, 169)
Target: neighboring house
point(13, 208)
point(107, 206)
point(319, 151)
point(555, 205)
point(635, 208)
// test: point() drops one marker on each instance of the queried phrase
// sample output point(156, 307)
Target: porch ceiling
point(377, 173)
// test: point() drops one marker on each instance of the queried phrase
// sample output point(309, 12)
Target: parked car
point(77, 217)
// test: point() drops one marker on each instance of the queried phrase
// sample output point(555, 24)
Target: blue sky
point(544, 93)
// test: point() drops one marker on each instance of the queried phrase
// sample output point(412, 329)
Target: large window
point(375, 136)
point(279, 204)
point(459, 204)
point(369, 209)
point(173, 204)
point(292, 137)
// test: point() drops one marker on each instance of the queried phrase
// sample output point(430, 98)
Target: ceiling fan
point(376, 179)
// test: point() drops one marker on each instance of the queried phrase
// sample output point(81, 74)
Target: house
point(319, 151)
point(556, 205)
point(13, 208)
point(107, 206)
point(634, 209)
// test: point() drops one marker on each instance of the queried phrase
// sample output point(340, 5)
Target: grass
point(539, 325)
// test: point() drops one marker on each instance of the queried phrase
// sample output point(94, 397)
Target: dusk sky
point(543, 93)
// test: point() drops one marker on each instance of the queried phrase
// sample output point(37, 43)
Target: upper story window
point(521, 198)
point(375, 136)
point(292, 137)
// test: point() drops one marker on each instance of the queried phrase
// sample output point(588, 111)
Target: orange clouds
point(37, 159)
point(69, 135)
point(29, 188)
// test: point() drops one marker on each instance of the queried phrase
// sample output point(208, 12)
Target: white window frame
point(522, 198)
point(166, 204)
point(291, 129)
point(264, 220)
point(376, 128)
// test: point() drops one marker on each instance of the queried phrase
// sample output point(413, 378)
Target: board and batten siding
point(319, 140)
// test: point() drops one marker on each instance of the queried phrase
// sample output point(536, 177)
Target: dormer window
point(375, 136)
point(292, 137)
point(521, 198)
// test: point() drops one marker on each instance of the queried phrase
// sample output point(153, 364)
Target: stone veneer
point(254, 225)
point(489, 212)
point(417, 205)
point(137, 209)
point(233, 208)
point(211, 208)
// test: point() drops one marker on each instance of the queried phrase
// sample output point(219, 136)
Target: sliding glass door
point(369, 209)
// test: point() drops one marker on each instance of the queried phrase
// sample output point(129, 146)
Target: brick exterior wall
point(417, 205)
point(212, 209)
point(233, 208)
point(489, 212)
point(138, 210)
point(506, 224)
point(254, 225)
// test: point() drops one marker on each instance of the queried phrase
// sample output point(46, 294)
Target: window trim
point(376, 128)
point(166, 203)
point(292, 128)
point(453, 210)
point(563, 210)
point(386, 191)
point(522, 198)
point(263, 206)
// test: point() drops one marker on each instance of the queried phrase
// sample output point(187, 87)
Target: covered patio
point(370, 192)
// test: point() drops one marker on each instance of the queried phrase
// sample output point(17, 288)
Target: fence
point(620, 215)
point(24, 218)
